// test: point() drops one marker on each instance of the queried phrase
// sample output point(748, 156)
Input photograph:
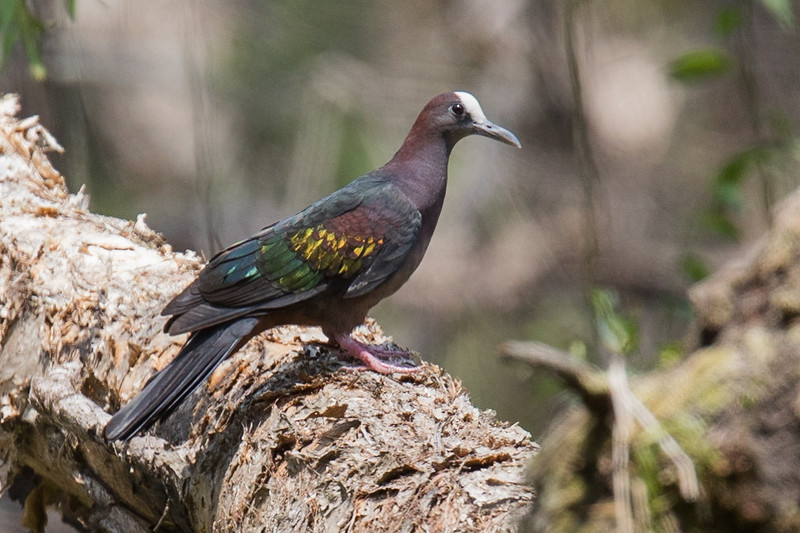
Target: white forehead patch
point(472, 106)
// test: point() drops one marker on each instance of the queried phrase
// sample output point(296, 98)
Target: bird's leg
point(371, 356)
point(384, 353)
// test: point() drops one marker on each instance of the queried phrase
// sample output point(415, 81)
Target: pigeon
point(325, 266)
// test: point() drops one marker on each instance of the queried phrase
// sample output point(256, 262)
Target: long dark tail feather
point(197, 359)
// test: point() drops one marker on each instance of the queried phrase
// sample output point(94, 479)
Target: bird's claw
point(377, 358)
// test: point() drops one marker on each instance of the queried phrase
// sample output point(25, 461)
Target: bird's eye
point(457, 109)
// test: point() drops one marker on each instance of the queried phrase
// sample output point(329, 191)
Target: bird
point(325, 266)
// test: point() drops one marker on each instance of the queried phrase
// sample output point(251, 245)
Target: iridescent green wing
point(354, 239)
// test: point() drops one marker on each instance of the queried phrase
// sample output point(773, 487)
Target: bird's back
point(346, 245)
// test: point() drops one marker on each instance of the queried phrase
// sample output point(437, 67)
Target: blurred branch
point(601, 391)
point(580, 134)
point(711, 450)
point(627, 410)
point(204, 157)
point(621, 435)
point(587, 166)
point(586, 380)
point(745, 48)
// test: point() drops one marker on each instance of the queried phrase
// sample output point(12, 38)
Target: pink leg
point(370, 356)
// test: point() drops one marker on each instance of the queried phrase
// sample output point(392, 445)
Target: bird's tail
point(197, 359)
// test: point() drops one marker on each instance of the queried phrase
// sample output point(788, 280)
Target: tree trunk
point(281, 438)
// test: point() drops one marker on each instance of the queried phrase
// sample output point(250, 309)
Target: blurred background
point(656, 137)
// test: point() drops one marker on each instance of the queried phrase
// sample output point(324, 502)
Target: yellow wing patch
point(326, 250)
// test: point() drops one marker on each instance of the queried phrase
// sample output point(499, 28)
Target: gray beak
point(498, 133)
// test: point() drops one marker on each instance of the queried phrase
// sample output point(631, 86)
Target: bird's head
point(458, 114)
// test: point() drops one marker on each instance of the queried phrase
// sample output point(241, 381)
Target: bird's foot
point(377, 358)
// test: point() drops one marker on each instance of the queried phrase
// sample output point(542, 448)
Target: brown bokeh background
point(217, 118)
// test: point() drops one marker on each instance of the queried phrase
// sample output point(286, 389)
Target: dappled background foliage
point(656, 137)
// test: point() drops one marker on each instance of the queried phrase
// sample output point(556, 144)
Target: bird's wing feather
point(399, 223)
point(357, 238)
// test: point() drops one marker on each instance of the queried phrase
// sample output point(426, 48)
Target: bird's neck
point(420, 168)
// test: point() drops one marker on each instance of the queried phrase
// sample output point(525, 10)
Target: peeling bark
point(281, 438)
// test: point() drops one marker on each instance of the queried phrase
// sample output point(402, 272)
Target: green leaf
point(8, 10)
point(728, 182)
point(694, 267)
point(31, 32)
point(578, 349)
point(720, 223)
point(728, 195)
point(70, 5)
point(728, 21)
point(17, 23)
point(734, 171)
point(8, 27)
point(782, 11)
point(699, 65)
point(37, 70)
point(617, 333)
point(670, 355)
